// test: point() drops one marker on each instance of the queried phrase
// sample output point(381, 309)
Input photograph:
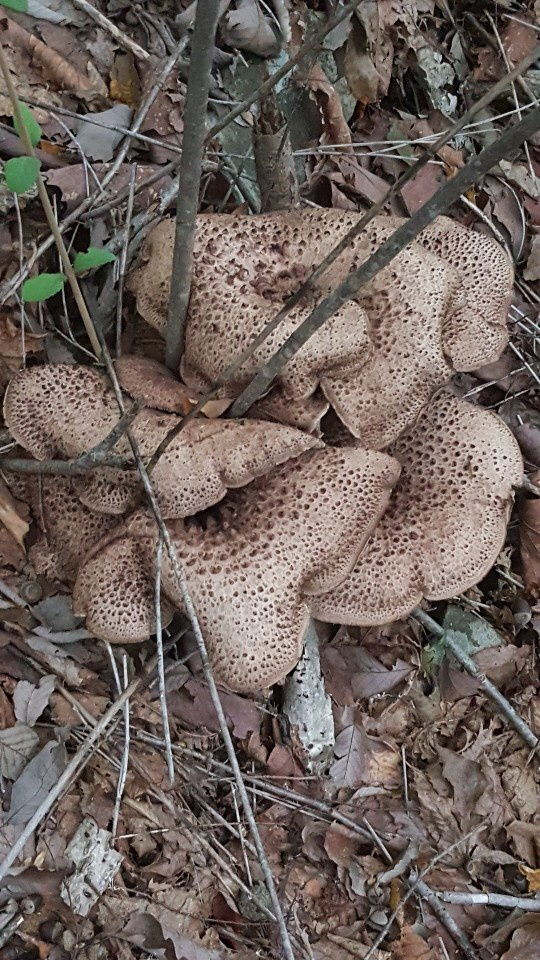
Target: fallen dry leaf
point(249, 29)
point(529, 527)
point(411, 946)
point(524, 943)
point(193, 705)
point(10, 516)
point(532, 270)
point(35, 781)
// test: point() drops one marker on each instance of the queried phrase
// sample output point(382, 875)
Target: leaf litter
point(421, 767)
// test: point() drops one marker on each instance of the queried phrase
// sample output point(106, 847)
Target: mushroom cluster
point(401, 492)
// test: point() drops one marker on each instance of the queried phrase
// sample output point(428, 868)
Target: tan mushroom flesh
point(294, 532)
point(62, 410)
point(446, 521)
point(440, 305)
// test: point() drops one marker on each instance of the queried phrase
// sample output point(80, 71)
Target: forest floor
point(425, 772)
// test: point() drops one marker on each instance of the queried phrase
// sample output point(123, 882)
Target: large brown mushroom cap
point(446, 521)
point(440, 305)
point(295, 532)
point(244, 269)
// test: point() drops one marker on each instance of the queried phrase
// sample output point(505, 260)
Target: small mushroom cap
point(288, 535)
point(151, 384)
point(446, 521)
point(476, 334)
point(407, 304)
point(116, 595)
point(59, 410)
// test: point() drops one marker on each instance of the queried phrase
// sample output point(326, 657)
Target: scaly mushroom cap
point(478, 333)
point(64, 410)
point(151, 384)
point(407, 304)
point(244, 269)
point(382, 356)
point(115, 592)
point(294, 532)
point(446, 521)
point(60, 410)
point(68, 529)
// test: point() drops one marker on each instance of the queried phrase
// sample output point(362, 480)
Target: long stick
point(408, 231)
point(191, 613)
point(189, 181)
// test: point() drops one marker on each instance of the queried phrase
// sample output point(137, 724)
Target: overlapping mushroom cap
point(446, 521)
point(295, 532)
point(63, 411)
point(439, 306)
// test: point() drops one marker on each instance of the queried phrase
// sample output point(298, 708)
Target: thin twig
point(49, 212)
point(490, 899)
point(161, 663)
point(490, 690)
point(191, 614)
point(123, 260)
point(111, 28)
point(74, 767)
point(98, 456)
point(470, 174)
point(189, 180)
point(123, 770)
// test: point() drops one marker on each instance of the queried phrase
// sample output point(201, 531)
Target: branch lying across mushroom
point(62, 410)
point(440, 306)
point(293, 533)
point(446, 521)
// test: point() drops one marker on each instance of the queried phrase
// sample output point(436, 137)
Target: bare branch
point(189, 181)
point(490, 690)
point(98, 456)
point(490, 899)
point(451, 191)
point(179, 575)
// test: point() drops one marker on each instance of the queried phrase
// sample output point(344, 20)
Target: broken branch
point(189, 180)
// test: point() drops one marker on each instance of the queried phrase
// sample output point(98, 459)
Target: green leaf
point(31, 125)
point(42, 287)
point(94, 257)
point(20, 6)
point(21, 173)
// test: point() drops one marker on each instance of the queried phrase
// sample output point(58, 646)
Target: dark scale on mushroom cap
point(446, 521)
